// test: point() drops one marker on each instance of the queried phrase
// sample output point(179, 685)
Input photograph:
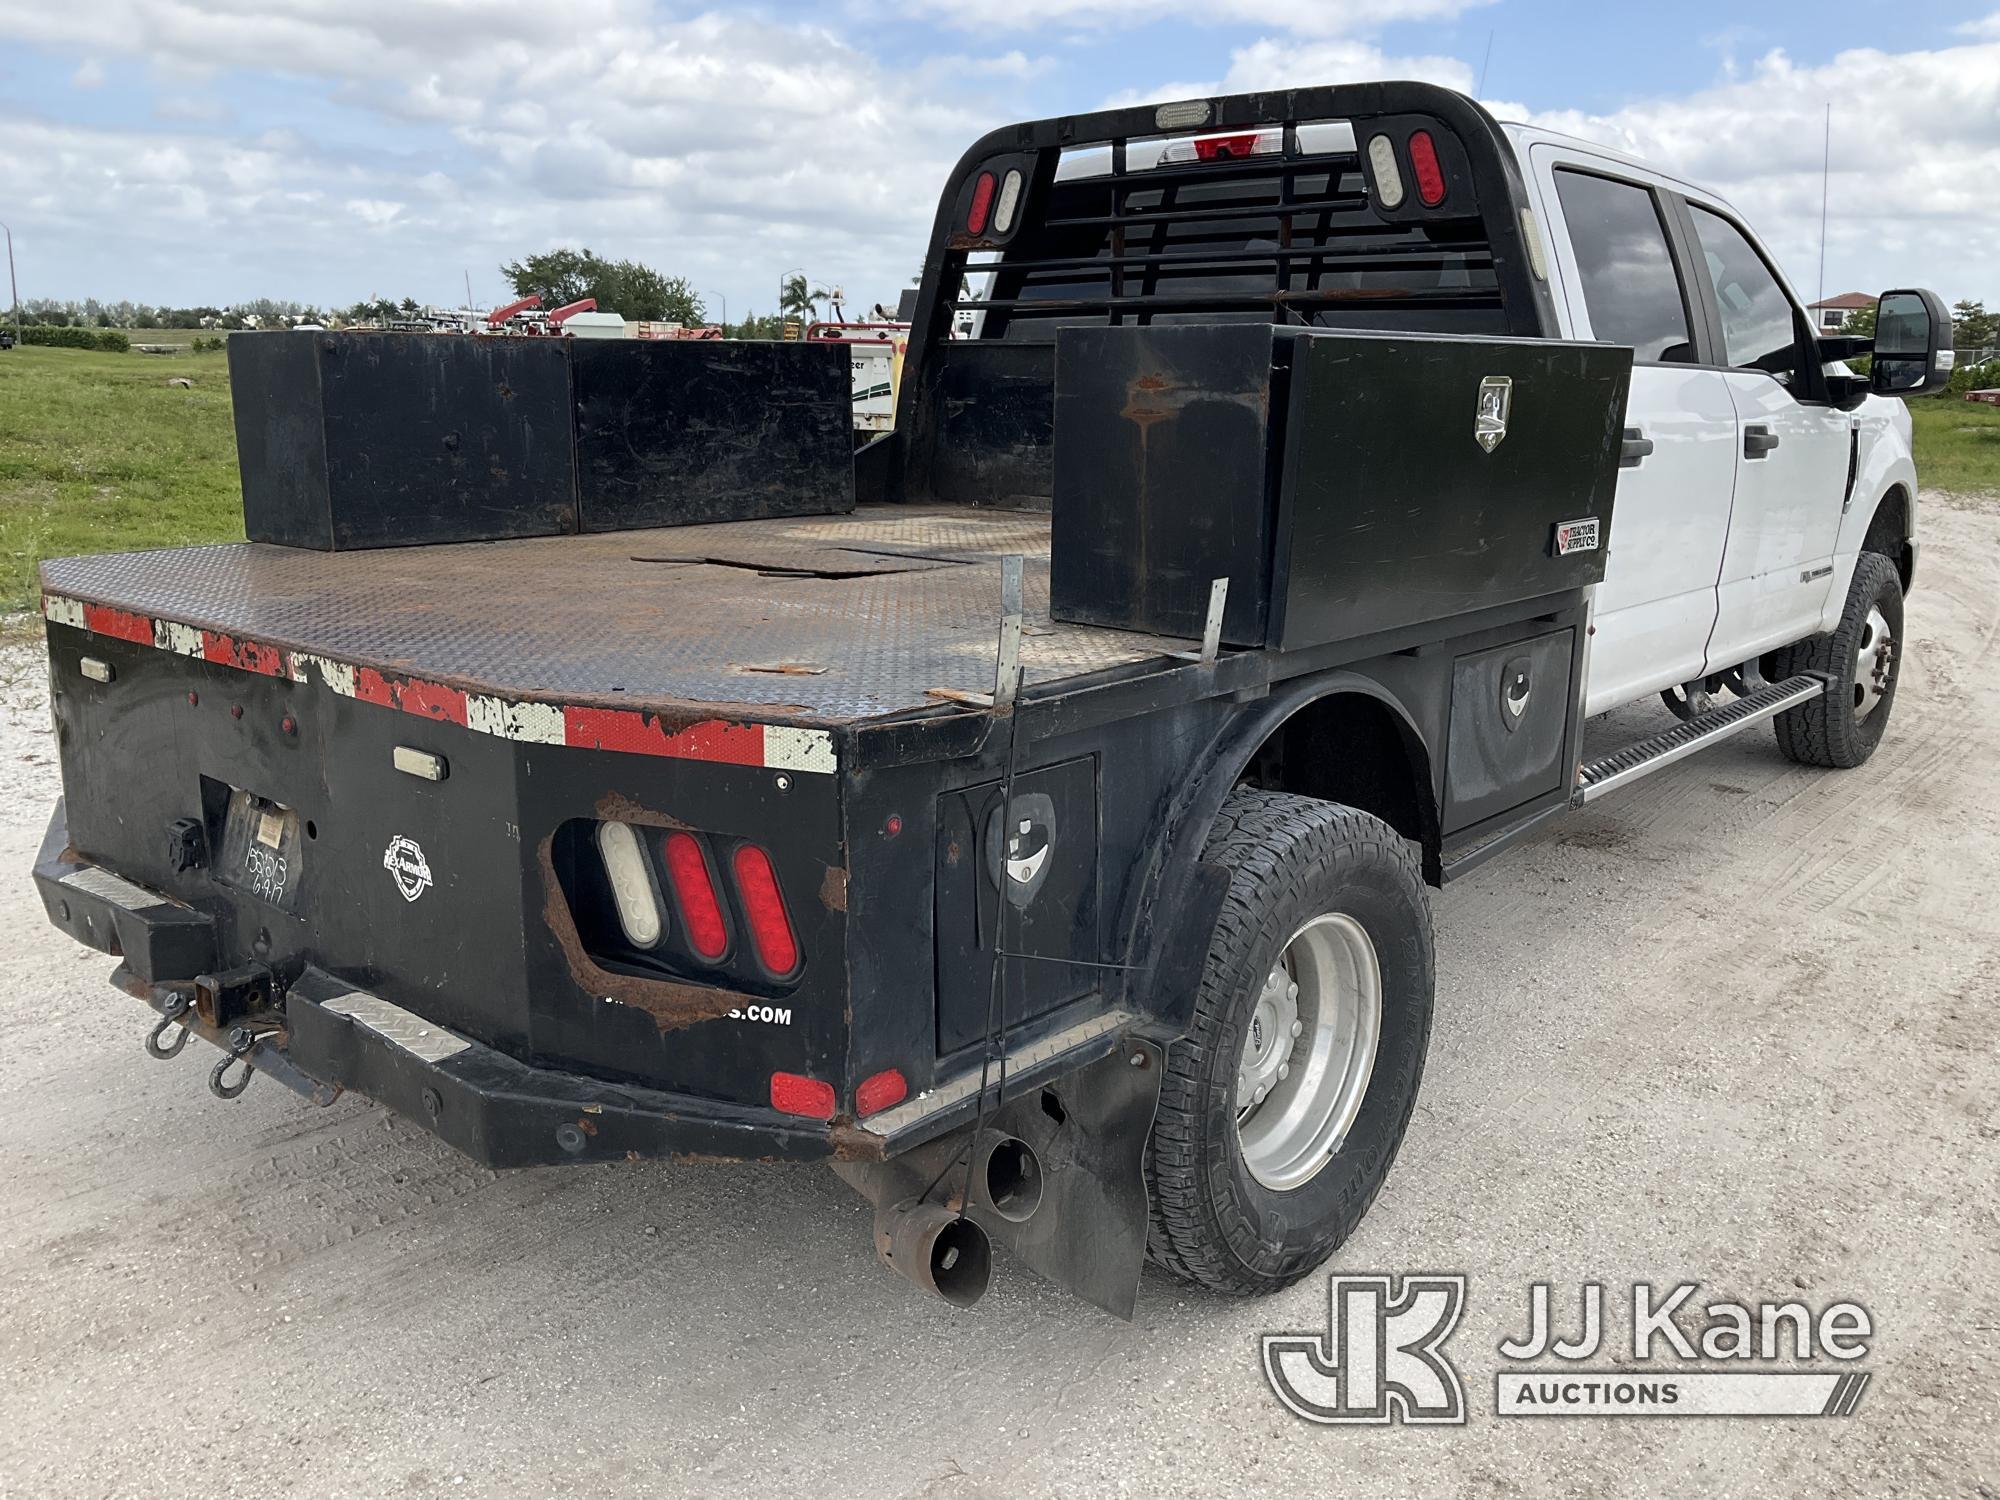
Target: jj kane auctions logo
point(1382, 1357)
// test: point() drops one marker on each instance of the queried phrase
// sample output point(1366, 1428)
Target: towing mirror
point(1913, 354)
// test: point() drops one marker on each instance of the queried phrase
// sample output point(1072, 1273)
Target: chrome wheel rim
point(1308, 1052)
point(1874, 664)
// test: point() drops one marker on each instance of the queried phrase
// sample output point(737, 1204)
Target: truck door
point(1792, 461)
point(1620, 284)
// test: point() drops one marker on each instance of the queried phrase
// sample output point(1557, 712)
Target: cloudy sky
point(191, 151)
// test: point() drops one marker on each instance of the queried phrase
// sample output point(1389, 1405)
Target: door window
point(1629, 284)
point(1757, 328)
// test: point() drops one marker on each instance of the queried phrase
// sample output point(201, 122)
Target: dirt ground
point(1736, 1026)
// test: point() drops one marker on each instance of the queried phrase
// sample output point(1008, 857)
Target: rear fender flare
point(1174, 912)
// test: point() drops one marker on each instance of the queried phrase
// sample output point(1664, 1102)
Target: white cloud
point(1278, 63)
point(1915, 154)
point(1916, 149)
point(89, 74)
point(374, 212)
point(1015, 64)
point(1301, 17)
point(720, 147)
point(729, 146)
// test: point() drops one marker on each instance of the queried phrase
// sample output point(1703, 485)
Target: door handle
point(1635, 447)
point(1758, 441)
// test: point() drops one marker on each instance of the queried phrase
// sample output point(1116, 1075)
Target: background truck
point(1043, 839)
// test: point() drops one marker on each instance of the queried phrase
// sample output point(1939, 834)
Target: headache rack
point(1259, 208)
point(1270, 235)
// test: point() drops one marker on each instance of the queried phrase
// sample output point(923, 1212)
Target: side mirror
point(1913, 354)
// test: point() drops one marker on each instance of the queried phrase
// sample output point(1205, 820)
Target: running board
point(1596, 777)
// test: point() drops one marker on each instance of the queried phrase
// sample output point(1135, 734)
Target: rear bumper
point(325, 1036)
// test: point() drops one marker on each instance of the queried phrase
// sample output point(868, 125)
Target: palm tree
point(796, 300)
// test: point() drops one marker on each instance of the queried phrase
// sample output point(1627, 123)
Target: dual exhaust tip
point(937, 1248)
point(942, 1250)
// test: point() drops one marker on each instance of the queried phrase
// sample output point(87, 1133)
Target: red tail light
point(764, 907)
point(701, 913)
point(793, 1094)
point(1424, 162)
point(982, 203)
point(880, 1090)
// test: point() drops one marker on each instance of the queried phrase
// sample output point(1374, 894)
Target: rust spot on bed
point(616, 807)
point(833, 889)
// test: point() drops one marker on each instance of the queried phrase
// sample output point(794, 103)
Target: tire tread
point(1256, 834)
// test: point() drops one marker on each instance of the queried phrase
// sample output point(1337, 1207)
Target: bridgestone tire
point(1291, 859)
point(1825, 732)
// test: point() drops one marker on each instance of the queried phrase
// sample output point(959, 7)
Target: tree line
point(561, 276)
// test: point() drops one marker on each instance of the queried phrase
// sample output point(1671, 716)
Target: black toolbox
point(1344, 483)
point(357, 440)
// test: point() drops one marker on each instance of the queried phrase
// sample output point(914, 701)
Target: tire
point(1321, 873)
point(1826, 731)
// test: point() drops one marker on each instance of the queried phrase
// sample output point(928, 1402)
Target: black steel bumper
point(323, 1036)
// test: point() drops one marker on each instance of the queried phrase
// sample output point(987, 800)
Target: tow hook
point(241, 1040)
point(176, 1007)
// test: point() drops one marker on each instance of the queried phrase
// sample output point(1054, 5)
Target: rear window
point(1630, 287)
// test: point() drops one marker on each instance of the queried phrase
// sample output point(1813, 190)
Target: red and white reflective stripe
point(776, 747)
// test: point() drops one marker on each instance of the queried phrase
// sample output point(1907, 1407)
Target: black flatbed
point(819, 620)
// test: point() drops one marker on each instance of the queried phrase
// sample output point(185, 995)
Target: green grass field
point(1958, 446)
point(98, 453)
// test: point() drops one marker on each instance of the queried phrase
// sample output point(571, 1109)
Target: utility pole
point(1825, 173)
point(13, 287)
point(724, 300)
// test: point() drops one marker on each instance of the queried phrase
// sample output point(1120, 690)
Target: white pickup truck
point(1767, 513)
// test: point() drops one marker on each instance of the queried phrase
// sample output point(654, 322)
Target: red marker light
point(879, 1091)
point(764, 906)
point(701, 913)
point(982, 203)
point(794, 1094)
point(1424, 162)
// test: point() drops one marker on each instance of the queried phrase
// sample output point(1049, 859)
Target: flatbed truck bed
point(818, 621)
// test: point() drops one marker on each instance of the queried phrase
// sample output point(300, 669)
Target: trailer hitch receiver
point(226, 998)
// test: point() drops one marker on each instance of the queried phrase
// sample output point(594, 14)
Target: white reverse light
point(631, 884)
point(1009, 201)
point(1388, 176)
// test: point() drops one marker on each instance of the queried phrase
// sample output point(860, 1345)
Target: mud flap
point(1057, 1175)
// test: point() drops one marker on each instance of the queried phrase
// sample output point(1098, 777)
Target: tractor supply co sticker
point(1576, 536)
point(405, 861)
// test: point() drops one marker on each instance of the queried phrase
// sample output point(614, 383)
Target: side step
point(1596, 777)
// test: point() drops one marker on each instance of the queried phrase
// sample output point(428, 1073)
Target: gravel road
point(1735, 1026)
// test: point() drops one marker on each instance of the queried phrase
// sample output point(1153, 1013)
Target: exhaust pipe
point(936, 1249)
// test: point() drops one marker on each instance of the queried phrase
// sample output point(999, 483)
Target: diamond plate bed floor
point(817, 619)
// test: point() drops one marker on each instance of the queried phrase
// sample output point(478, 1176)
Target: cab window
point(1758, 331)
point(1630, 287)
